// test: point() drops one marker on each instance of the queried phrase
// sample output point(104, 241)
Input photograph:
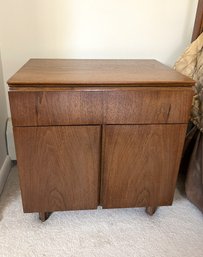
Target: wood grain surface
point(141, 164)
point(58, 72)
point(55, 108)
point(148, 106)
point(128, 106)
point(59, 167)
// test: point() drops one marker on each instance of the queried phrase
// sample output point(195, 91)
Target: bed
point(191, 64)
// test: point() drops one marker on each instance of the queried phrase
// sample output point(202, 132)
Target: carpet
point(172, 231)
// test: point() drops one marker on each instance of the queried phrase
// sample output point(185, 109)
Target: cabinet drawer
point(147, 106)
point(55, 108)
point(101, 106)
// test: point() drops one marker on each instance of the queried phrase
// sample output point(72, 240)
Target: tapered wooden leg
point(150, 210)
point(43, 216)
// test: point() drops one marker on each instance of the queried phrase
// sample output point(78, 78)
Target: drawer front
point(110, 106)
point(147, 106)
point(55, 108)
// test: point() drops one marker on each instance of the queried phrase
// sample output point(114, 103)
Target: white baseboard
point(10, 140)
point(4, 171)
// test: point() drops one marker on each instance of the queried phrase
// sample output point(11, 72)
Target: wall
point(5, 161)
point(159, 29)
point(3, 118)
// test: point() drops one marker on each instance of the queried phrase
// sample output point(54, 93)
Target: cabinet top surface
point(92, 72)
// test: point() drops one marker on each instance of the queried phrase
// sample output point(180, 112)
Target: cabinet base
point(43, 216)
point(151, 210)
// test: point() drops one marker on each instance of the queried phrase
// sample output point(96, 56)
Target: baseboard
point(10, 140)
point(4, 171)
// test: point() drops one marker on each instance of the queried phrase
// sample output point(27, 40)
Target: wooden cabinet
point(98, 132)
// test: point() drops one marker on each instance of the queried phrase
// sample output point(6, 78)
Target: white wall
point(159, 29)
point(3, 118)
point(5, 161)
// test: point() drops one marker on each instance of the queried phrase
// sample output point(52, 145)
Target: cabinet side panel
point(141, 164)
point(58, 167)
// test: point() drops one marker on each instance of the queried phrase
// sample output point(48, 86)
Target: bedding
point(191, 64)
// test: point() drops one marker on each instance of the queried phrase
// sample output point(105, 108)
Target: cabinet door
point(58, 167)
point(141, 163)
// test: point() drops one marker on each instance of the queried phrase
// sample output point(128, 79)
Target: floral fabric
point(191, 64)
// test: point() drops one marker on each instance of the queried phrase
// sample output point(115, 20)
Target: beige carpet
point(172, 231)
